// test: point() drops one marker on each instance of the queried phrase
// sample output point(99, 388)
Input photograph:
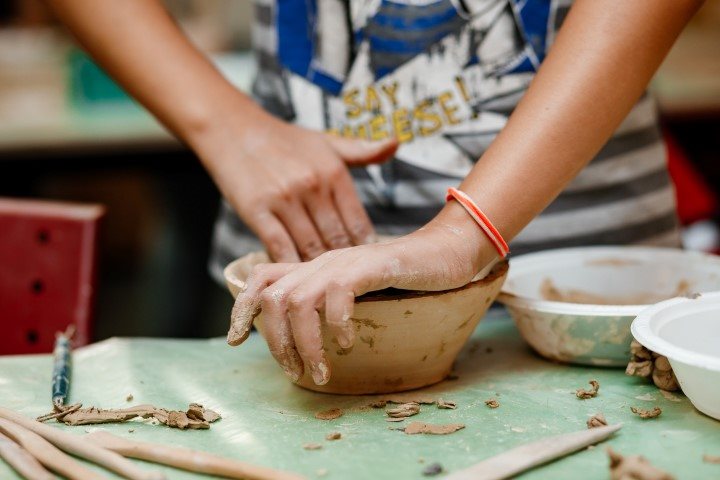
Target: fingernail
point(293, 375)
point(320, 373)
point(344, 340)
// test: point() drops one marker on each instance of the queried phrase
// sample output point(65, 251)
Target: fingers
point(351, 210)
point(327, 220)
point(247, 304)
point(302, 229)
point(357, 152)
point(339, 304)
point(275, 237)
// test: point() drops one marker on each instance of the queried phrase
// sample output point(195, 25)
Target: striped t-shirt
point(443, 76)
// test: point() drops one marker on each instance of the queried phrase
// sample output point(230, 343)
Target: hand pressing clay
point(634, 467)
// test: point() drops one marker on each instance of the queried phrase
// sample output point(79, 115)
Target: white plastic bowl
point(687, 332)
point(595, 334)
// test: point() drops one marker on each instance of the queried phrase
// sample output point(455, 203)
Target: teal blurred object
point(266, 420)
point(90, 86)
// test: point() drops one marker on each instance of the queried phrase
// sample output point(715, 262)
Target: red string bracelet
point(485, 224)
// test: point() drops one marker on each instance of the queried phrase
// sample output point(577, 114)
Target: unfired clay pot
point(404, 340)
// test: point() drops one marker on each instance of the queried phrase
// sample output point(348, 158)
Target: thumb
point(357, 152)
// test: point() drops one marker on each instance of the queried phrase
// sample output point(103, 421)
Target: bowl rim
point(641, 329)
point(498, 271)
point(584, 309)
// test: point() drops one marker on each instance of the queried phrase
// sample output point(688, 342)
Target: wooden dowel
point(82, 448)
point(21, 460)
point(47, 454)
point(187, 459)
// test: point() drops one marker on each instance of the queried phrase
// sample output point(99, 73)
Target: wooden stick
point(525, 457)
point(187, 459)
point(47, 454)
point(82, 448)
point(21, 460)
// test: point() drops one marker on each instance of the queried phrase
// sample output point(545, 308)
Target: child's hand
point(437, 257)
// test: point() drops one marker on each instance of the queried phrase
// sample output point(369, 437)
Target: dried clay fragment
point(415, 428)
point(432, 470)
point(390, 419)
point(446, 404)
point(634, 467)
point(655, 412)
point(129, 398)
point(312, 446)
point(597, 420)
point(196, 417)
point(333, 436)
point(583, 394)
point(330, 414)
point(663, 375)
point(647, 364)
point(403, 411)
point(411, 398)
point(492, 403)
point(711, 459)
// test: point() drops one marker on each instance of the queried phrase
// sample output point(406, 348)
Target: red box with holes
point(48, 254)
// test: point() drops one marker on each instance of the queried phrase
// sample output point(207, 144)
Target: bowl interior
point(619, 276)
point(697, 331)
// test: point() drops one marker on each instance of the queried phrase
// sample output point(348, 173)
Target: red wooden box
point(48, 256)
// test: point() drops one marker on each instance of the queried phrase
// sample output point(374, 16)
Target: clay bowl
point(404, 339)
point(575, 305)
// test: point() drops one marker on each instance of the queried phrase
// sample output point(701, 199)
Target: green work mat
point(266, 420)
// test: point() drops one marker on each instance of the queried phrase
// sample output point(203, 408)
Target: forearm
point(140, 45)
point(604, 56)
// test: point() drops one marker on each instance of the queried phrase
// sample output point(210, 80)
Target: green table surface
point(266, 420)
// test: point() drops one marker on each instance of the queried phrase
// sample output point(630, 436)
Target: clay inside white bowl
point(575, 305)
point(403, 339)
point(687, 332)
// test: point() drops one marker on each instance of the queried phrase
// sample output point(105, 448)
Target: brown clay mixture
point(330, 414)
point(492, 403)
point(647, 364)
point(634, 467)
point(404, 410)
point(312, 446)
point(333, 436)
point(711, 459)
point(655, 412)
point(446, 404)
point(597, 420)
point(415, 428)
point(583, 394)
point(550, 292)
point(195, 417)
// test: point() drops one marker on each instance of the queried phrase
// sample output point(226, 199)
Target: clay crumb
point(330, 414)
point(333, 436)
point(642, 413)
point(404, 410)
point(129, 398)
point(131, 430)
point(583, 394)
point(432, 470)
point(411, 398)
point(446, 404)
point(415, 428)
point(597, 420)
point(391, 419)
point(492, 403)
point(321, 472)
point(378, 404)
point(634, 467)
point(312, 446)
point(711, 459)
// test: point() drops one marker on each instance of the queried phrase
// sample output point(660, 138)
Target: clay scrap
point(711, 459)
point(642, 413)
point(647, 364)
point(597, 420)
point(330, 414)
point(492, 403)
point(446, 404)
point(415, 428)
point(404, 410)
point(195, 417)
point(634, 467)
point(432, 470)
point(583, 394)
point(333, 436)
point(312, 446)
